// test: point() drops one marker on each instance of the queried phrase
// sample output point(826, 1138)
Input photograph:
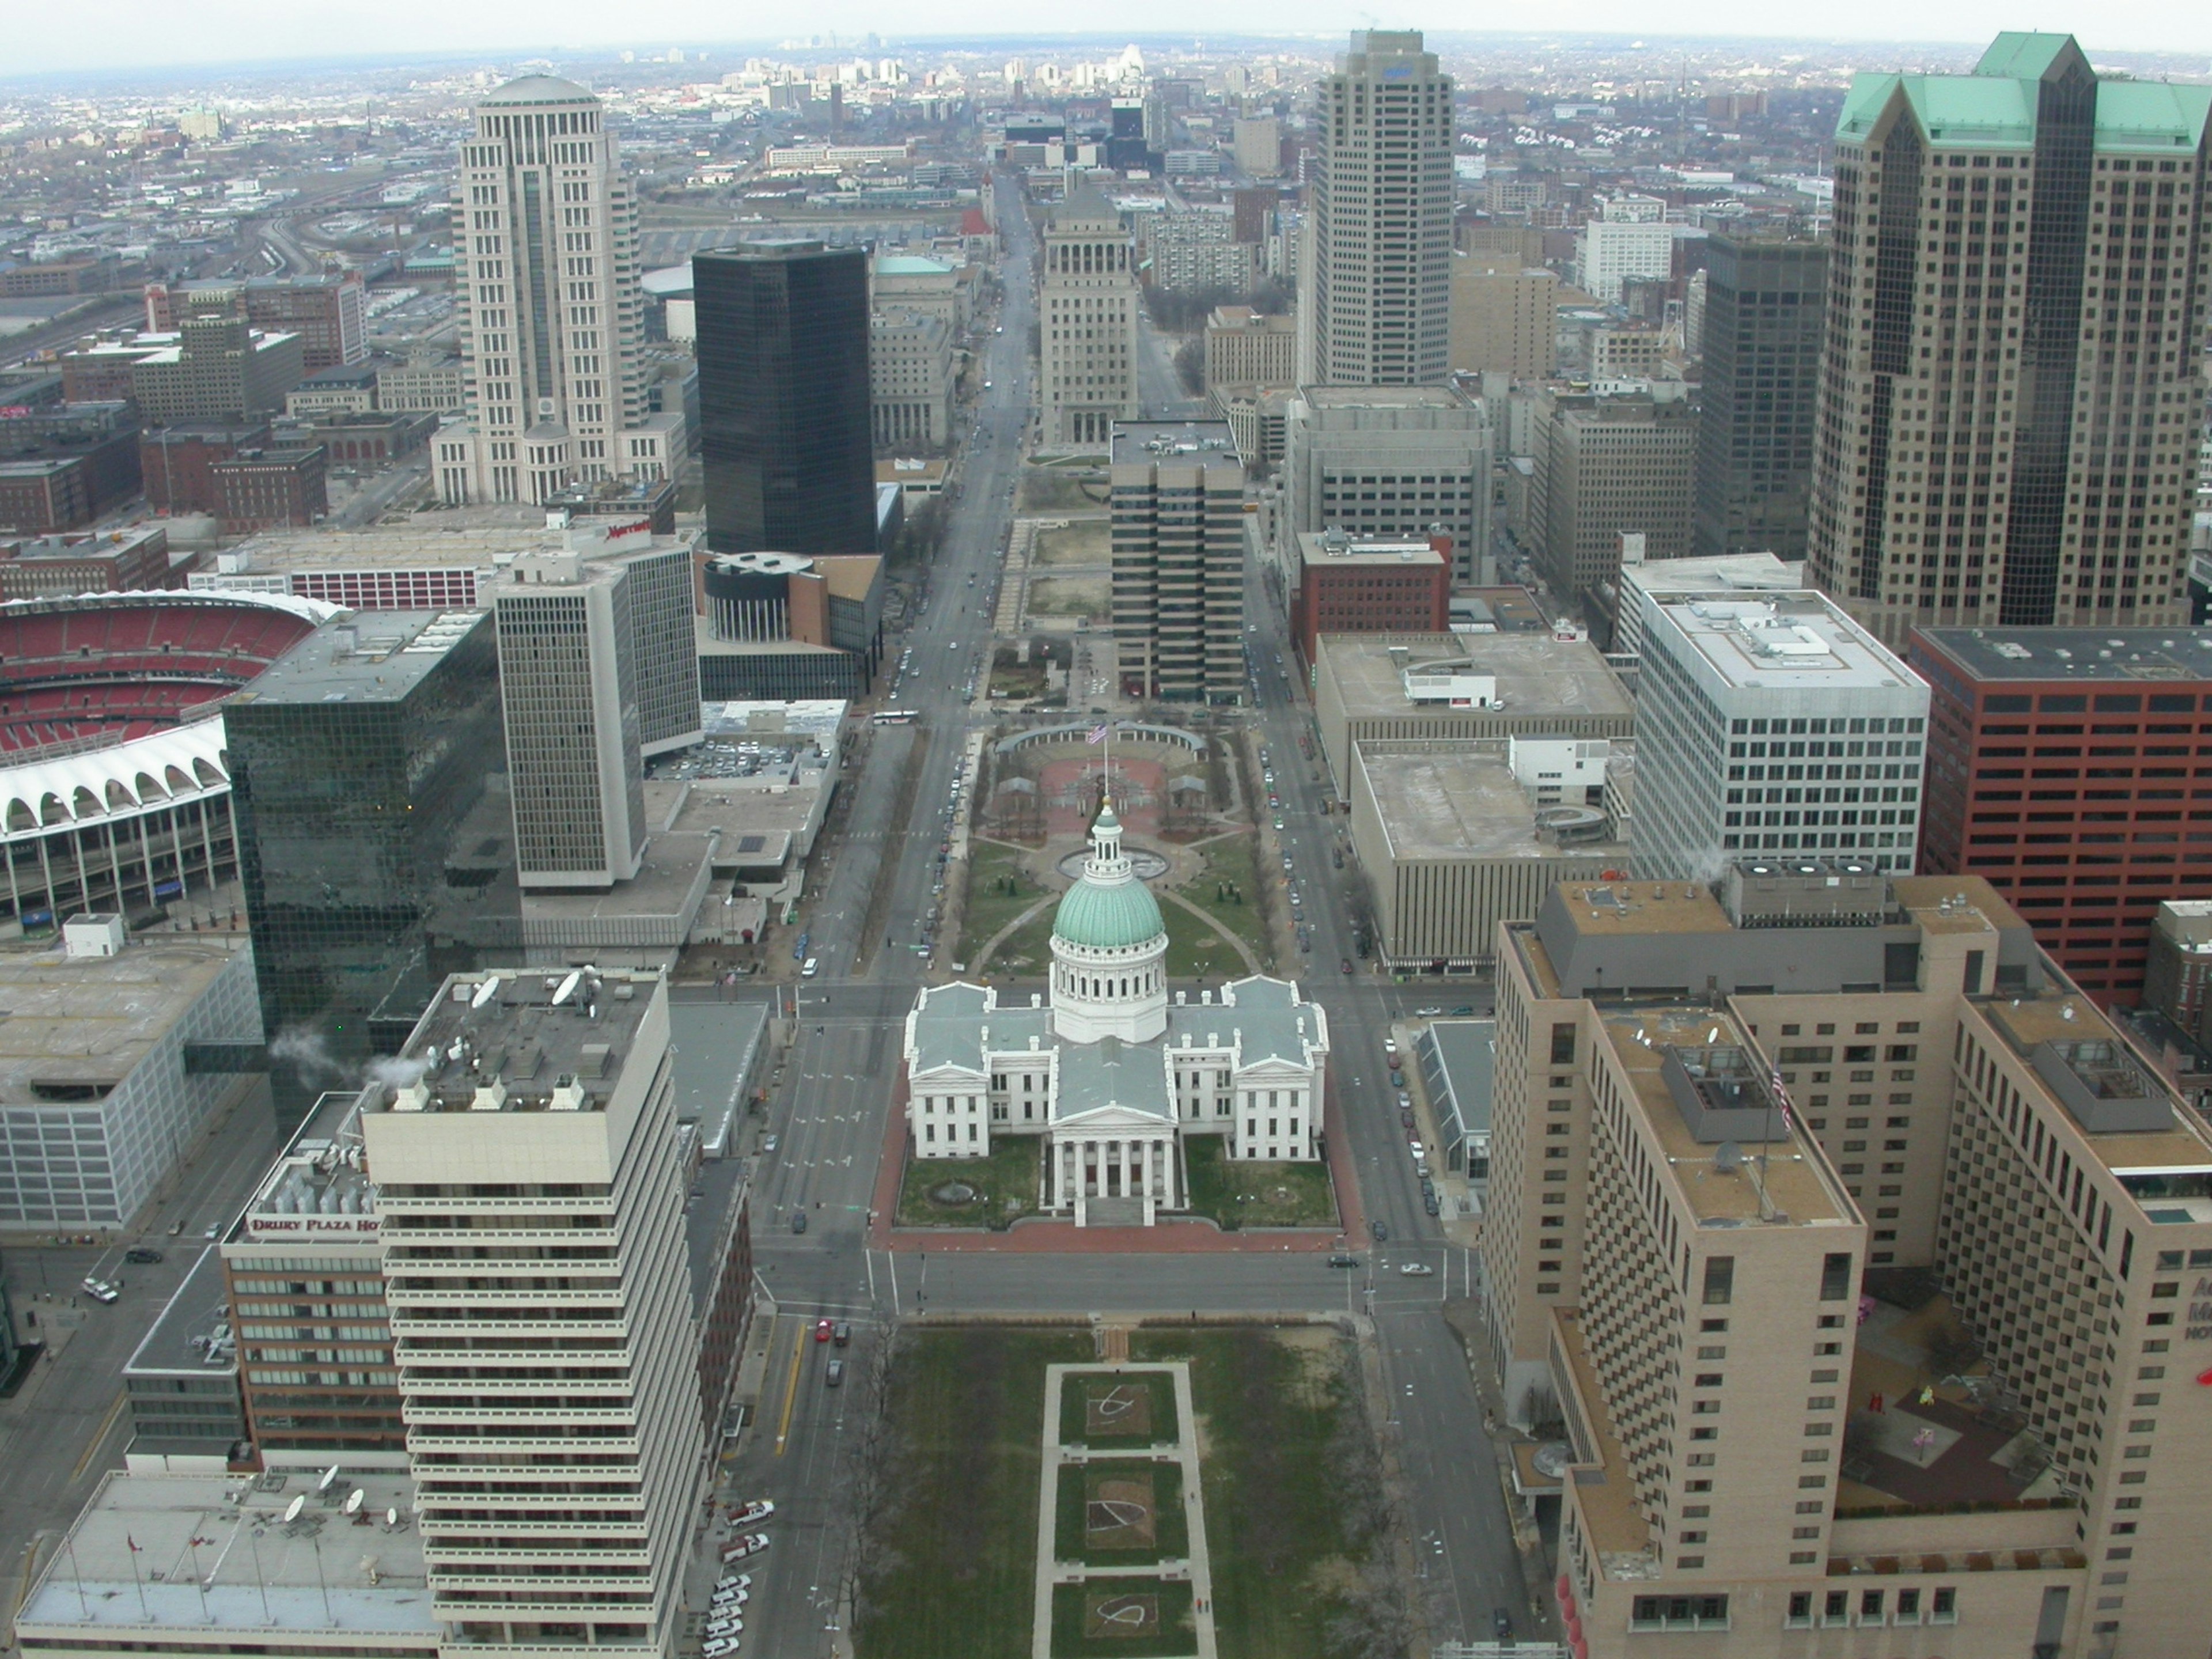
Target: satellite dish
point(330, 1478)
point(1728, 1158)
point(485, 991)
point(354, 1501)
point(391, 1517)
point(568, 986)
point(1712, 1037)
point(291, 1510)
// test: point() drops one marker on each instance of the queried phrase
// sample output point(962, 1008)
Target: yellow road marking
point(99, 1438)
point(791, 1385)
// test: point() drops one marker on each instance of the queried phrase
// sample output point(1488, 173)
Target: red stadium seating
point(123, 665)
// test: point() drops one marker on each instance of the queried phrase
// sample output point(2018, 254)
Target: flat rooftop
point(469, 536)
point(374, 657)
point(1381, 396)
point(199, 1307)
point(670, 875)
point(1320, 547)
point(525, 1030)
point(2132, 654)
point(1535, 673)
point(1442, 802)
point(75, 1024)
point(1785, 641)
point(1794, 1174)
point(313, 1189)
point(714, 1049)
point(322, 1574)
point(818, 719)
point(1138, 442)
point(1751, 572)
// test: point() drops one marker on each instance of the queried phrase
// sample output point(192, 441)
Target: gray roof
point(1265, 1014)
point(1458, 1070)
point(949, 1022)
point(1130, 1076)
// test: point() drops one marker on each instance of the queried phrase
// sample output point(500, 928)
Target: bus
point(894, 717)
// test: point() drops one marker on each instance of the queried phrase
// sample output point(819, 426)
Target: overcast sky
point(62, 34)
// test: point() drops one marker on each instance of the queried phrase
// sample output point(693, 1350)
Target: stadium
point(114, 782)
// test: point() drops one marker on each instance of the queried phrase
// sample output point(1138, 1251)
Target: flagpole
point(145, 1611)
point(69, 1542)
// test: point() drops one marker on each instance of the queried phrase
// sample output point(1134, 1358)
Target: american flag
point(1781, 1099)
point(1098, 734)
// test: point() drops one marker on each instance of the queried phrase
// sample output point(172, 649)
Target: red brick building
point(265, 488)
point(2072, 768)
point(328, 312)
point(115, 561)
point(178, 461)
point(1339, 586)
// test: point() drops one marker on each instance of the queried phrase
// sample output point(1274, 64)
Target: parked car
point(1405, 1118)
point(719, 1647)
point(798, 1221)
point(769, 1144)
point(1428, 1013)
point(1463, 1011)
point(1344, 965)
point(738, 1549)
point(1429, 1203)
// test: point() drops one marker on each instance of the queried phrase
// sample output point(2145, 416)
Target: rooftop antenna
point(291, 1510)
point(568, 988)
point(1728, 1158)
point(328, 1479)
point(485, 993)
point(355, 1500)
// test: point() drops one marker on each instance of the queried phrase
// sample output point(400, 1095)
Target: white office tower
point(1374, 275)
point(532, 1228)
point(1772, 726)
point(1087, 312)
point(570, 695)
point(552, 314)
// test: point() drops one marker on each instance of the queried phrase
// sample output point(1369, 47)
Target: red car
point(822, 1330)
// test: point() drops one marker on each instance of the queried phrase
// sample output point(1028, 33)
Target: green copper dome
point(1108, 917)
point(1109, 908)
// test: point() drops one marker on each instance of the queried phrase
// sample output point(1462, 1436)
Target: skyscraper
point(1178, 512)
point(1763, 305)
point(545, 233)
point(2006, 426)
point(1375, 286)
point(1087, 309)
point(784, 398)
point(554, 1444)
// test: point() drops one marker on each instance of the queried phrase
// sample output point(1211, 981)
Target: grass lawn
point(1195, 951)
point(1069, 596)
point(1009, 1175)
point(1061, 489)
point(948, 1574)
point(988, 907)
point(1159, 1415)
point(1230, 862)
point(1083, 1484)
point(1285, 1524)
point(1084, 541)
point(1134, 1619)
point(1239, 1194)
point(1013, 678)
point(1027, 953)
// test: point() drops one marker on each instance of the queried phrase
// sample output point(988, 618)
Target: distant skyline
point(97, 35)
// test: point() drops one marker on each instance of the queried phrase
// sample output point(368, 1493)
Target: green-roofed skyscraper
point(2008, 423)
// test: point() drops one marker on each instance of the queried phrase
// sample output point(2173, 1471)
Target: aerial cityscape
point(1376, 843)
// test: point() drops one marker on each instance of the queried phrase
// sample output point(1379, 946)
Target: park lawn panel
point(1177, 1632)
point(1027, 953)
point(1274, 1527)
point(1170, 1520)
point(1218, 1183)
point(1069, 596)
point(1014, 1169)
point(986, 909)
point(1073, 1426)
point(1083, 541)
point(957, 1552)
point(1195, 951)
point(1230, 859)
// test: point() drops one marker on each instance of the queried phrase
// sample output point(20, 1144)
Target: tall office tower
point(1177, 493)
point(1776, 726)
point(356, 763)
point(554, 1443)
point(2086, 852)
point(552, 317)
point(1791, 1347)
point(784, 398)
point(1259, 145)
point(1504, 318)
point(1393, 462)
point(1607, 463)
point(1087, 310)
point(1763, 305)
point(598, 669)
point(1375, 278)
point(2008, 424)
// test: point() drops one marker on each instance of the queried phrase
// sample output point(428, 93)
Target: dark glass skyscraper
point(784, 398)
point(368, 770)
point(1763, 305)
